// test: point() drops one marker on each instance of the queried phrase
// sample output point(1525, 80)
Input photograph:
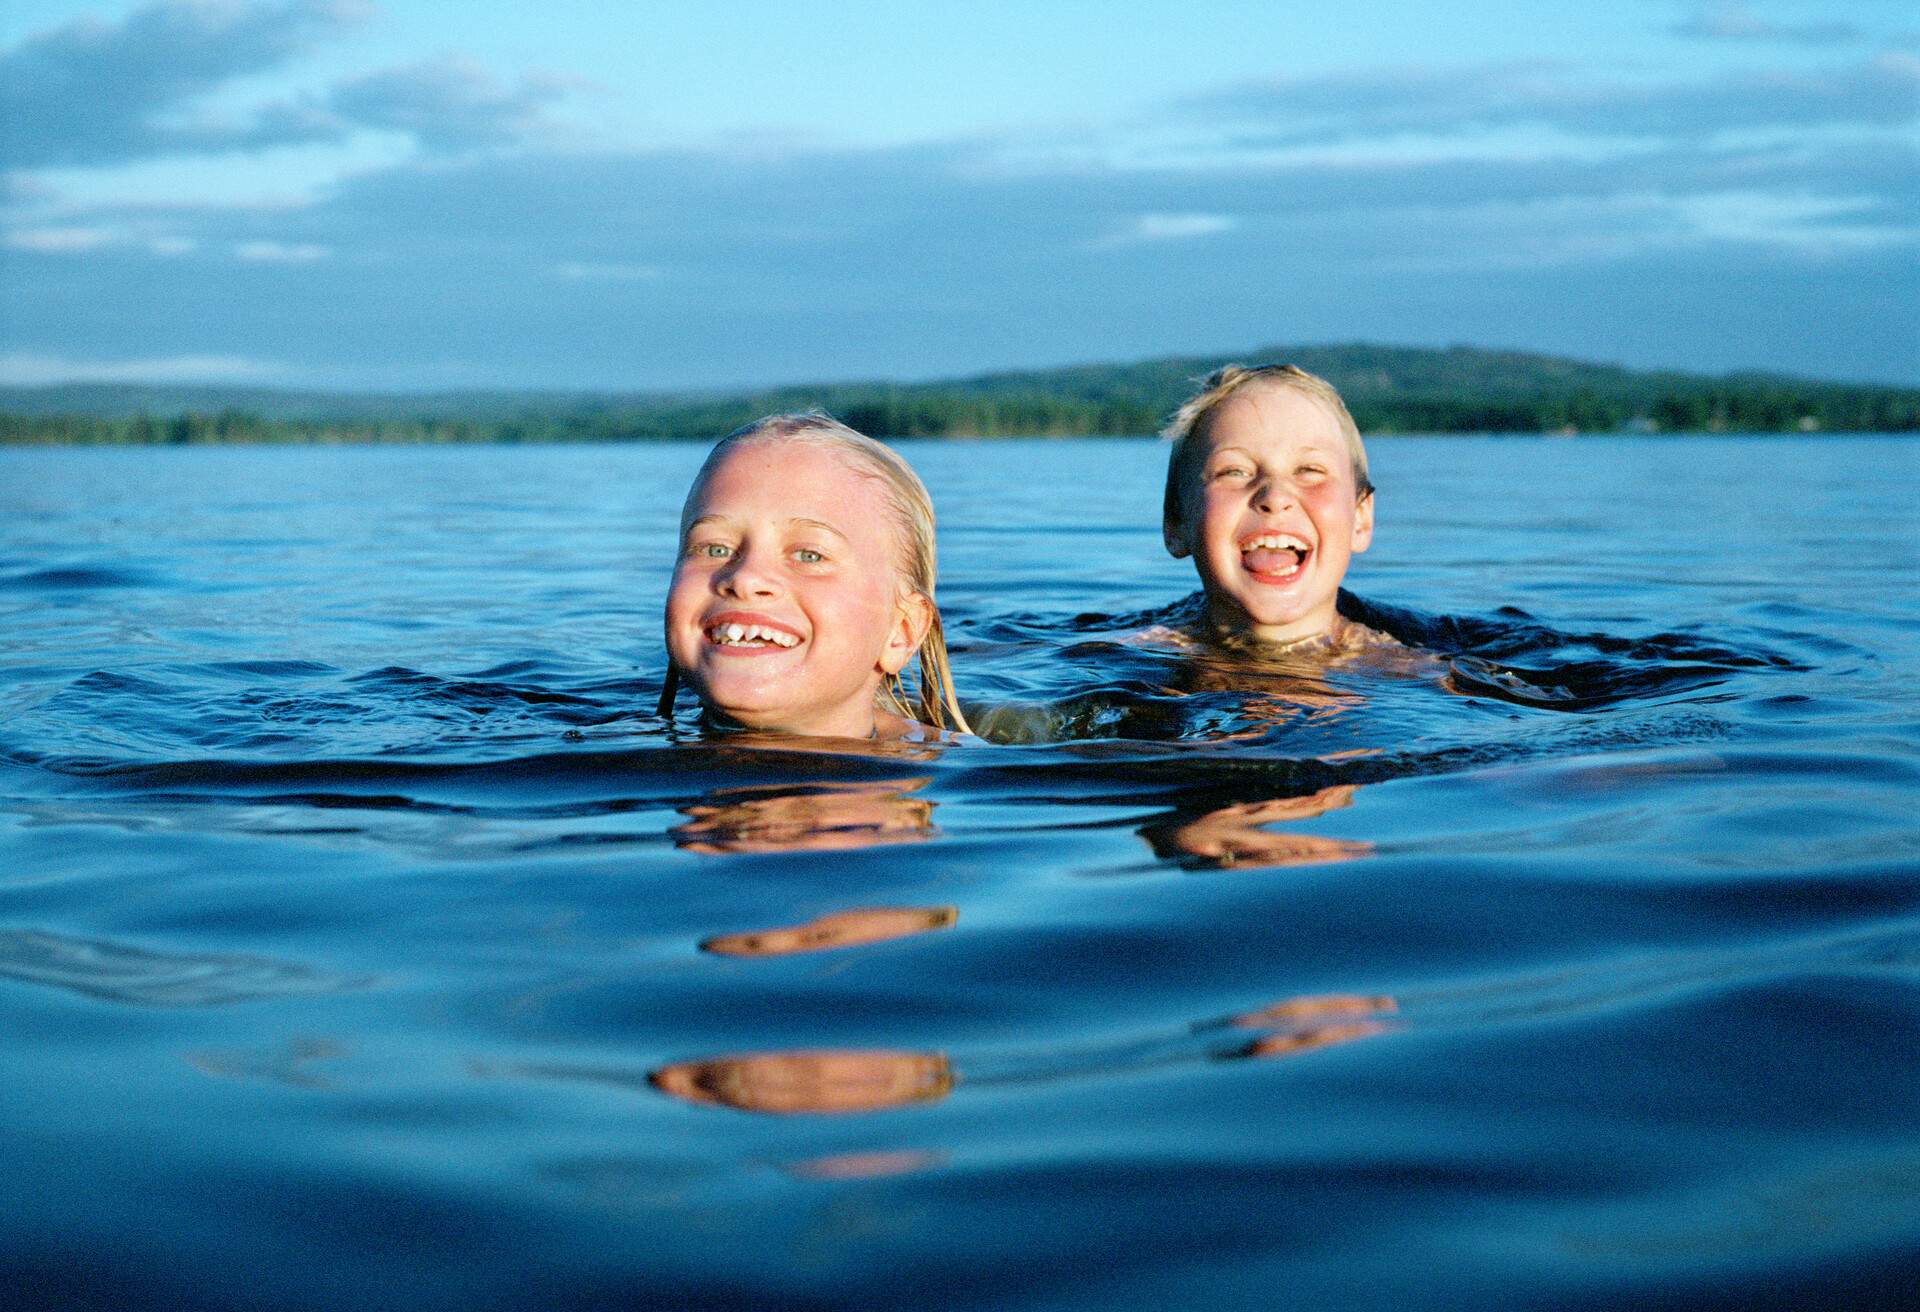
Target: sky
point(409, 195)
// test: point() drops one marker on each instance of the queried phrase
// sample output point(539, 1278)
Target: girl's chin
point(810, 722)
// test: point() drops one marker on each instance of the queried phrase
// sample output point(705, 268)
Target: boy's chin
point(1311, 618)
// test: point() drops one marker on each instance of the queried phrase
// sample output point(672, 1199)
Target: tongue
point(1278, 560)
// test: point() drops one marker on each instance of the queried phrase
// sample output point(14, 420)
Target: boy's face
point(1269, 515)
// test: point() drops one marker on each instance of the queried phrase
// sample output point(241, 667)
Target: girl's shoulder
point(889, 727)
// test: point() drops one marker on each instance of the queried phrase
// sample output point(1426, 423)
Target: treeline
point(1389, 389)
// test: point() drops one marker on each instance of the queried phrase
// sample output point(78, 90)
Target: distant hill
point(1390, 389)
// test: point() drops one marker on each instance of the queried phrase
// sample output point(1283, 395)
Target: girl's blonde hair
point(933, 701)
point(1223, 383)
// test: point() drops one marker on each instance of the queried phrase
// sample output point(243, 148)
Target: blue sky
point(402, 195)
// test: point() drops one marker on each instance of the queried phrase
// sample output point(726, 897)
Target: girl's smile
point(787, 610)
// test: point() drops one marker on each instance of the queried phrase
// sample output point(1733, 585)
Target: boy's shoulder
point(1347, 637)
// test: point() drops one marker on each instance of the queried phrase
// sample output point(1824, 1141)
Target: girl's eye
point(807, 556)
point(711, 550)
point(1230, 471)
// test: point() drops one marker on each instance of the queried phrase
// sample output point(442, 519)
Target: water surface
point(365, 940)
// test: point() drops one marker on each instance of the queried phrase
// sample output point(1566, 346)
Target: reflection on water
point(841, 1080)
point(289, 1064)
point(836, 929)
point(820, 817)
point(1202, 836)
point(846, 1080)
point(119, 973)
point(1600, 989)
point(1302, 1024)
point(873, 1165)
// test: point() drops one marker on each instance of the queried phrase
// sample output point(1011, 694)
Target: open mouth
point(732, 633)
point(1274, 557)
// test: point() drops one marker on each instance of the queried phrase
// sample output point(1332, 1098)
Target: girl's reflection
point(815, 816)
point(1208, 832)
point(821, 1081)
point(866, 1080)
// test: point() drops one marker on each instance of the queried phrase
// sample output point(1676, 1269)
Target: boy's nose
point(1270, 495)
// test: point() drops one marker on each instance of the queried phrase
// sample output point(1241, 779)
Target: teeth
point(1273, 542)
point(735, 635)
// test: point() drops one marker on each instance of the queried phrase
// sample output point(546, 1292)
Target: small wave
point(115, 972)
point(80, 578)
point(481, 696)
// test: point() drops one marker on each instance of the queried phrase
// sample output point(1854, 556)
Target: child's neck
point(1236, 628)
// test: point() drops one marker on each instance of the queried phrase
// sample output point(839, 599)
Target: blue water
point(365, 941)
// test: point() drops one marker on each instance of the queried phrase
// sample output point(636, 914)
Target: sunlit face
point(1269, 513)
point(787, 610)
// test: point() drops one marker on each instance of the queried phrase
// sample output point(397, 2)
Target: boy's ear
point(912, 617)
point(1174, 534)
point(1363, 523)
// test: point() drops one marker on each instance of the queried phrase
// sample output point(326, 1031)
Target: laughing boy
point(1267, 490)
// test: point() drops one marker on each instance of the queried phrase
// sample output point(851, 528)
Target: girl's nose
point(747, 576)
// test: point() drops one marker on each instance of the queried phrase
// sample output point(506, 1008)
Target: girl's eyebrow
point(808, 523)
point(821, 524)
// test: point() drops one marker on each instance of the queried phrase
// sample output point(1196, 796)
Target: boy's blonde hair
point(1231, 379)
point(911, 508)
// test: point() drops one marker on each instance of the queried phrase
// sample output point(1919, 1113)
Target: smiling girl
point(804, 587)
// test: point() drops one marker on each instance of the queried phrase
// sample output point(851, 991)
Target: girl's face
point(787, 610)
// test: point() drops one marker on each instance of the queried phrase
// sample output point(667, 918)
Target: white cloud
point(280, 252)
point(81, 240)
point(589, 272)
point(1737, 22)
point(1169, 227)
point(59, 241)
point(27, 369)
point(1810, 223)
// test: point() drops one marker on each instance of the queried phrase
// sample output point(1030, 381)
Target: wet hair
point(1226, 382)
point(911, 509)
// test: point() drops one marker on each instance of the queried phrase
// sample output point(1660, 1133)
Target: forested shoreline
point(1389, 390)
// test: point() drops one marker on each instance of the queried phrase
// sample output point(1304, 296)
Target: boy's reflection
point(1207, 832)
point(815, 816)
point(1303, 1024)
point(837, 929)
point(855, 1080)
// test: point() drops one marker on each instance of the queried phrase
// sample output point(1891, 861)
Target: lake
point(367, 941)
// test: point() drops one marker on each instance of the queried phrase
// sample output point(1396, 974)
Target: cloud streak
point(1379, 202)
point(92, 93)
point(95, 94)
point(448, 105)
point(1878, 93)
point(1737, 22)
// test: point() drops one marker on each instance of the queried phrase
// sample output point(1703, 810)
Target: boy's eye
point(1310, 469)
point(807, 556)
point(711, 550)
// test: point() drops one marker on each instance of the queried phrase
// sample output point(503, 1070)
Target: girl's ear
point(912, 617)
